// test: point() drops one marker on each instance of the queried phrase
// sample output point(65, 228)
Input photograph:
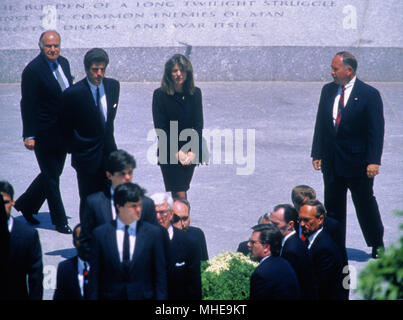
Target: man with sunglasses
point(183, 256)
point(181, 220)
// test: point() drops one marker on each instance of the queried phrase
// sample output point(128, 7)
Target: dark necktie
point(340, 107)
point(59, 76)
point(99, 105)
point(126, 246)
point(85, 276)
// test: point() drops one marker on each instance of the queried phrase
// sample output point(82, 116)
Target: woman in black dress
point(178, 120)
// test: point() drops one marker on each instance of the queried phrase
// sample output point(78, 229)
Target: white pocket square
point(180, 264)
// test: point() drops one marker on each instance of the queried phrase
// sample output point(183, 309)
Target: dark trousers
point(365, 204)
point(46, 186)
point(89, 183)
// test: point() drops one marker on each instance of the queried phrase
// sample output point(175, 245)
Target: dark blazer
point(147, 276)
point(328, 265)
point(274, 279)
point(188, 113)
point(359, 138)
point(298, 255)
point(197, 235)
point(90, 140)
point(41, 102)
point(98, 210)
point(184, 274)
point(24, 268)
point(67, 286)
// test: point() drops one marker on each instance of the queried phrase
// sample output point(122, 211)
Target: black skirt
point(177, 177)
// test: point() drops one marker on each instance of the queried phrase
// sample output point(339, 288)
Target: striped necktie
point(59, 76)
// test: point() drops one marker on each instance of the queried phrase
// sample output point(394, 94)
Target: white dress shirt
point(313, 236)
point(347, 92)
point(80, 267)
point(114, 214)
point(120, 235)
point(10, 223)
point(101, 95)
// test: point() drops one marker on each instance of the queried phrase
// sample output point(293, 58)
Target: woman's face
point(178, 76)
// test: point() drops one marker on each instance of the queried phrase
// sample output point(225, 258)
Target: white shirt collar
point(350, 83)
point(10, 223)
point(286, 237)
point(313, 236)
point(171, 232)
point(265, 258)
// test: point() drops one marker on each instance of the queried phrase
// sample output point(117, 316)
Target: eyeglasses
point(252, 242)
point(176, 218)
point(162, 213)
point(305, 220)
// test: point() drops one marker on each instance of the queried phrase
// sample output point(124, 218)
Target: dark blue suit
point(98, 210)
point(274, 279)
point(297, 254)
point(90, 138)
point(24, 268)
point(67, 286)
point(346, 152)
point(147, 275)
point(198, 236)
point(328, 268)
point(184, 277)
point(41, 106)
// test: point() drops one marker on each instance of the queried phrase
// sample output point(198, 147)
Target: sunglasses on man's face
point(176, 218)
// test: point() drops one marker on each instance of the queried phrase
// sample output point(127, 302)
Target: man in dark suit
point(273, 278)
point(183, 258)
point(243, 246)
point(89, 110)
point(73, 273)
point(23, 274)
point(43, 81)
point(127, 255)
point(284, 217)
point(326, 256)
point(98, 207)
point(302, 193)
point(181, 220)
point(347, 147)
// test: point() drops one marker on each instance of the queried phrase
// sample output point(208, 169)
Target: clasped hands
point(29, 144)
point(372, 169)
point(185, 159)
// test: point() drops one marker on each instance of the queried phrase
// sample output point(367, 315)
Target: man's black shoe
point(375, 251)
point(64, 229)
point(30, 219)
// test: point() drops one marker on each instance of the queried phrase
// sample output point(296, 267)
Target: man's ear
point(108, 175)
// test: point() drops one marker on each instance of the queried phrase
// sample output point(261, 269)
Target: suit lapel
point(329, 106)
point(49, 75)
point(109, 101)
point(95, 110)
point(75, 284)
point(113, 244)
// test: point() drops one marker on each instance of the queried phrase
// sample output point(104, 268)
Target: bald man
point(43, 81)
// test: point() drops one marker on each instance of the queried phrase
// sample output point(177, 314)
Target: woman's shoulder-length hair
point(167, 83)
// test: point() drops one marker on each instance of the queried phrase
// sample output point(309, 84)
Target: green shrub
point(227, 277)
point(382, 279)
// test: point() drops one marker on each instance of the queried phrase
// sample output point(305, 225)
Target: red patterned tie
point(340, 107)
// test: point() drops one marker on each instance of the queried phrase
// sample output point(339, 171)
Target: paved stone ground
point(224, 204)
